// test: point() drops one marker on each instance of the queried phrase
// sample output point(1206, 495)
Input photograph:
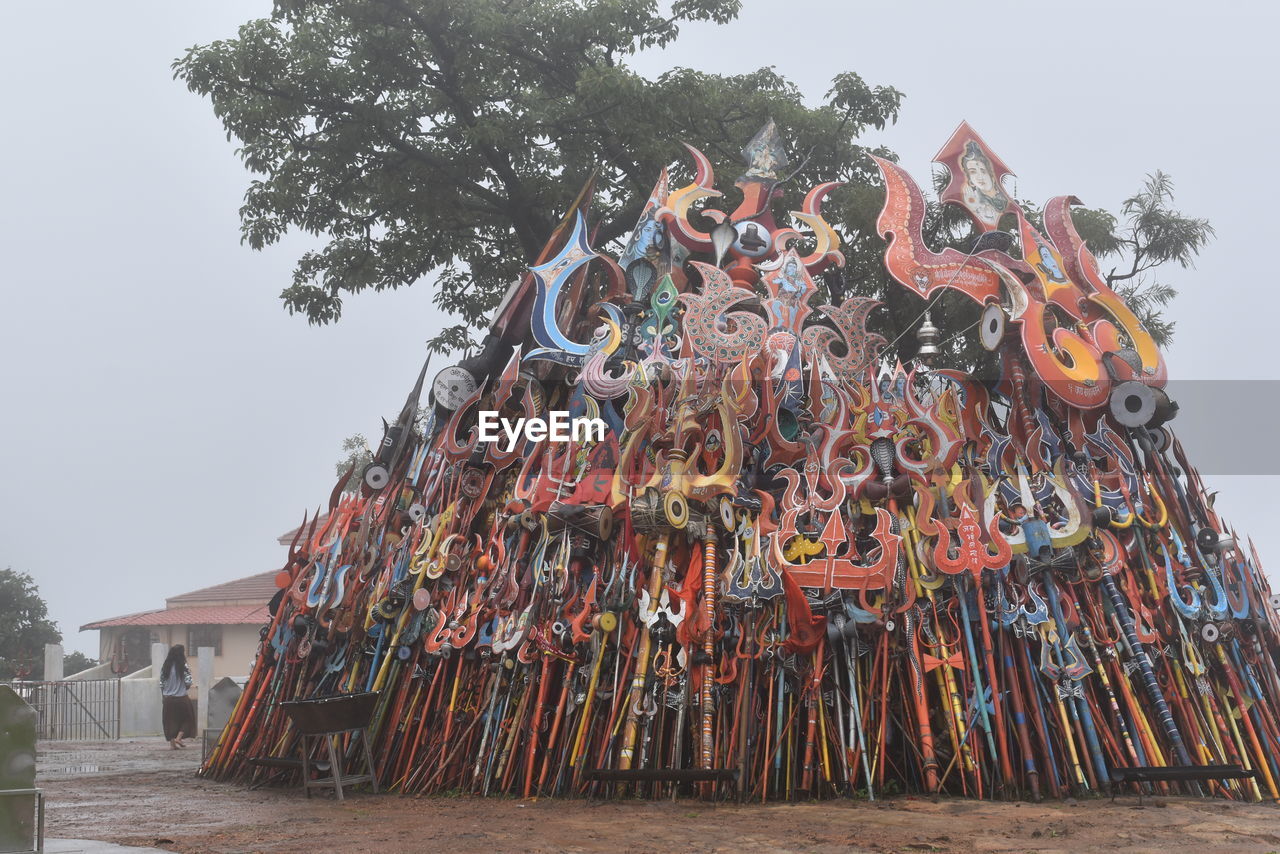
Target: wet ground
point(139, 792)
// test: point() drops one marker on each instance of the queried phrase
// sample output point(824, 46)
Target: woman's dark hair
point(177, 660)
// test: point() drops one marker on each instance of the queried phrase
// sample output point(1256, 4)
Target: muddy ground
point(138, 792)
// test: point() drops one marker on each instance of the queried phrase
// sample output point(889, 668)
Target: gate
point(74, 710)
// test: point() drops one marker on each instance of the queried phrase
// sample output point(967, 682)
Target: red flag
point(806, 629)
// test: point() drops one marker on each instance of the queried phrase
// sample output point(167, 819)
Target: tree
point(76, 661)
point(1151, 234)
point(358, 455)
point(441, 137)
point(25, 627)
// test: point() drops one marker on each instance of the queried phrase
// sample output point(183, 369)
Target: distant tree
point(25, 627)
point(1150, 233)
point(358, 455)
point(76, 661)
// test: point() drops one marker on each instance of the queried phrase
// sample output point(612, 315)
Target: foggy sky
point(164, 419)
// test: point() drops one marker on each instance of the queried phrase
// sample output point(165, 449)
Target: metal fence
point(74, 710)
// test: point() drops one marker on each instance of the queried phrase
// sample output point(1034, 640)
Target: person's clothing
point(178, 717)
point(175, 684)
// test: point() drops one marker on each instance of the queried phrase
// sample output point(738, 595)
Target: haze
point(165, 419)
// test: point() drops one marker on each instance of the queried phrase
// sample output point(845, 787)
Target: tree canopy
point(76, 661)
point(357, 455)
point(443, 139)
point(437, 136)
point(25, 627)
point(1149, 234)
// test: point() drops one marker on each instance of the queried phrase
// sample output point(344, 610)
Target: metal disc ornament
point(376, 476)
point(452, 386)
point(992, 326)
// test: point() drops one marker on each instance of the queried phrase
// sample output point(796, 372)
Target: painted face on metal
point(979, 175)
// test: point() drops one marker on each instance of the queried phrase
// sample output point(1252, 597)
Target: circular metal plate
point(992, 326)
point(376, 476)
point(452, 387)
point(1132, 404)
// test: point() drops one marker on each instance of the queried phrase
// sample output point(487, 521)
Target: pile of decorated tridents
point(789, 568)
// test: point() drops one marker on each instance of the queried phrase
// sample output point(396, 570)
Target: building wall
point(140, 705)
point(239, 645)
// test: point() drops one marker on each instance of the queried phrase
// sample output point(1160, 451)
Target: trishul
point(764, 157)
point(830, 476)
point(936, 423)
point(677, 467)
point(552, 278)
point(1075, 346)
point(831, 571)
point(972, 555)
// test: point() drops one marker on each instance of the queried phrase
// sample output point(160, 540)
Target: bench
point(1175, 774)
point(282, 765)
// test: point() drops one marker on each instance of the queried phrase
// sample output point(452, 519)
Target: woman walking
point(176, 713)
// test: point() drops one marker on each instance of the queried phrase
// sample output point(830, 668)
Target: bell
point(722, 237)
point(928, 335)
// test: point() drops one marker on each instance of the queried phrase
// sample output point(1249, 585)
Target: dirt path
point(140, 793)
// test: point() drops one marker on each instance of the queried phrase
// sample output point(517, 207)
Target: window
point(198, 636)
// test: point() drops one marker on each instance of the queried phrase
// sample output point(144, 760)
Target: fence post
point(53, 715)
point(158, 653)
point(204, 681)
point(53, 662)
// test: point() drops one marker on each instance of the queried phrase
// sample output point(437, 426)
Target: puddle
point(72, 763)
point(64, 761)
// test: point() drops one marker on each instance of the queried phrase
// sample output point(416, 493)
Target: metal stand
point(38, 842)
point(337, 778)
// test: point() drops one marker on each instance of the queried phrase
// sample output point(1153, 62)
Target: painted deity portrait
point(647, 241)
point(982, 193)
point(789, 292)
point(1047, 264)
point(790, 289)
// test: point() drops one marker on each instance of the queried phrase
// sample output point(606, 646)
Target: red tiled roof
point(286, 539)
point(243, 601)
point(251, 590)
point(223, 615)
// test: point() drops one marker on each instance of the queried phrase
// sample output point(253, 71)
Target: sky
point(164, 419)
